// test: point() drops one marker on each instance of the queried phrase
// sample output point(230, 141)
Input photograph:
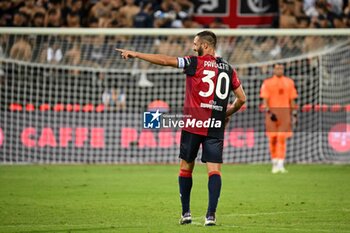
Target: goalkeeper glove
point(273, 116)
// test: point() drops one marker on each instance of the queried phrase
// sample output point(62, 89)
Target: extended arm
point(158, 59)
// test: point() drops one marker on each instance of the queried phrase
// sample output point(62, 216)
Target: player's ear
point(205, 45)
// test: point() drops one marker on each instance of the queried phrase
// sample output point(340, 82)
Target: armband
point(180, 62)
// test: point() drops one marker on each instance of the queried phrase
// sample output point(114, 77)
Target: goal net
point(66, 96)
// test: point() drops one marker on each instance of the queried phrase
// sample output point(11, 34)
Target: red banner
point(237, 14)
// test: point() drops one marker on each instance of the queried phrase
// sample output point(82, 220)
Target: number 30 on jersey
point(209, 74)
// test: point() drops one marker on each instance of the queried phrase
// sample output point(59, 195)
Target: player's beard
point(200, 51)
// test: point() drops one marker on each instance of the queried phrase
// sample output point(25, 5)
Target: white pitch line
point(274, 213)
point(288, 228)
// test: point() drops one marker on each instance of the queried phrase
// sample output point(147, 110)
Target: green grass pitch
point(144, 198)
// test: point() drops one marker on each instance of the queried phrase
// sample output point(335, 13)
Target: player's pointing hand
point(126, 53)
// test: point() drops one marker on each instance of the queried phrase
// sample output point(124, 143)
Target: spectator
point(53, 53)
point(77, 7)
point(117, 4)
point(268, 50)
point(93, 22)
point(95, 51)
point(73, 20)
point(115, 21)
point(54, 4)
point(114, 99)
point(128, 12)
point(101, 9)
point(186, 5)
point(290, 48)
point(73, 55)
point(30, 8)
point(303, 22)
point(164, 17)
point(322, 22)
point(180, 15)
point(38, 20)
point(287, 17)
point(339, 21)
point(20, 19)
point(74, 8)
point(310, 44)
point(144, 19)
point(335, 6)
point(21, 50)
point(53, 18)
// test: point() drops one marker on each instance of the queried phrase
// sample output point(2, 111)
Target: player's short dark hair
point(209, 37)
point(278, 64)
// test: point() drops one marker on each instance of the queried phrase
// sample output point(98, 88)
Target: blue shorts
point(212, 148)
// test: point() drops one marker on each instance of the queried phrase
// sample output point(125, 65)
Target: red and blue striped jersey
point(209, 82)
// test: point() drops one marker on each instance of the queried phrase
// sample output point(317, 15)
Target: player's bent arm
point(239, 101)
point(292, 104)
point(158, 59)
point(266, 106)
point(293, 108)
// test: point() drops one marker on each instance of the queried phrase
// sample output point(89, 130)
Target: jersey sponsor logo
point(257, 7)
point(212, 106)
point(211, 7)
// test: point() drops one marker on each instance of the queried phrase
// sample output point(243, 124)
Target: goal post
point(66, 96)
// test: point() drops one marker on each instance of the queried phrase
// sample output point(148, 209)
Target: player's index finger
point(120, 50)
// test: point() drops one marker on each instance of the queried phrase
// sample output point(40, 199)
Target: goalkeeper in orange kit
point(279, 93)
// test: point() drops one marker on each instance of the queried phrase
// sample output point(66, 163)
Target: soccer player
point(279, 93)
point(209, 81)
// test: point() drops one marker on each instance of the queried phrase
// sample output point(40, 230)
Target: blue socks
point(214, 188)
point(185, 185)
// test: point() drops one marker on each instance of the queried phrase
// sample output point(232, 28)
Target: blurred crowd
point(159, 14)
point(98, 13)
point(314, 14)
point(98, 51)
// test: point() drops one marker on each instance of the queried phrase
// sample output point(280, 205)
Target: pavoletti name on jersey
point(223, 66)
point(191, 123)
